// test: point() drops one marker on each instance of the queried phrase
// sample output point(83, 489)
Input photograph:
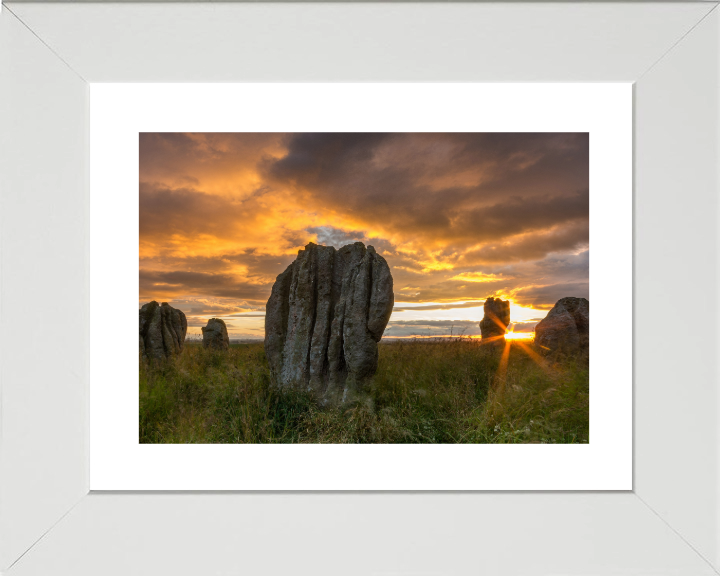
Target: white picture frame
point(50, 523)
point(119, 112)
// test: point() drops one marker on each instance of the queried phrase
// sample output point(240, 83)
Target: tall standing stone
point(566, 328)
point(162, 330)
point(215, 335)
point(494, 324)
point(325, 316)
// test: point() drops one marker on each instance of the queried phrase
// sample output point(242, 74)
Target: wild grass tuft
point(446, 391)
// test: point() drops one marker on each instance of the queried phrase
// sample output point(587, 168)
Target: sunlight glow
point(479, 277)
point(520, 335)
point(501, 374)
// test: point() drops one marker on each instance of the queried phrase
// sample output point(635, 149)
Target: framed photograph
point(544, 175)
point(481, 150)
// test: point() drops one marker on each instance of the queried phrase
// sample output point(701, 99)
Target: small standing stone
point(494, 324)
point(162, 330)
point(215, 335)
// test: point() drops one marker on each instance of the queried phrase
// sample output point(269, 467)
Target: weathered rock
point(215, 335)
point(324, 318)
point(494, 324)
point(566, 328)
point(162, 330)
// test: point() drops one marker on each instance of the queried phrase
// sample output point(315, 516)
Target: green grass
point(424, 391)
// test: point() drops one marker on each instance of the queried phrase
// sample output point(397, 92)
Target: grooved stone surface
point(162, 330)
point(324, 318)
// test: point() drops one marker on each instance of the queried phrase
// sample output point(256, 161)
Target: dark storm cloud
point(212, 276)
point(157, 148)
point(182, 283)
point(189, 212)
point(257, 268)
point(165, 211)
point(531, 246)
point(519, 215)
point(186, 157)
point(545, 297)
point(323, 159)
point(316, 158)
point(458, 188)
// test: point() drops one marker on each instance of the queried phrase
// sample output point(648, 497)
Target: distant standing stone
point(215, 335)
point(566, 328)
point(162, 330)
point(494, 324)
point(324, 318)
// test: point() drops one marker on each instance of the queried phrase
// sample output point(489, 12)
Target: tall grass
point(445, 391)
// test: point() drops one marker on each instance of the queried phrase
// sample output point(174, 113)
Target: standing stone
point(215, 335)
point(324, 318)
point(494, 324)
point(162, 330)
point(566, 328)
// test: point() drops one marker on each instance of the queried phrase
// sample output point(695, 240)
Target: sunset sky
point(458, 217)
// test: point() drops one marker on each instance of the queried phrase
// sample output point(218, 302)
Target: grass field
point(447, 391)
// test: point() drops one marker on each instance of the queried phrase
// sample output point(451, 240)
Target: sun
point(519, 335)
